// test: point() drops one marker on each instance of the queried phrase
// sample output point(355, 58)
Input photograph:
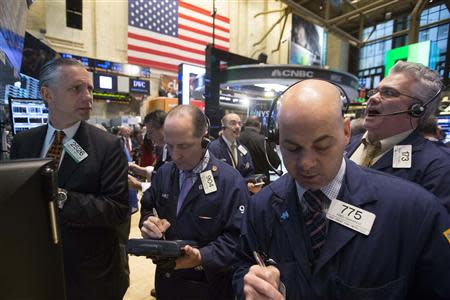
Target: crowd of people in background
point(255, 239)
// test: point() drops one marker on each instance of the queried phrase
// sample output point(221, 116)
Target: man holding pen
point(199, 198)
point(335, 230)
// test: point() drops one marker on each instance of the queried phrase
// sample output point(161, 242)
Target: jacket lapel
point(68, 165)
point(385, 162)
point(353, 192)
point(197, 189)
point(36, 147)
point(286, 209)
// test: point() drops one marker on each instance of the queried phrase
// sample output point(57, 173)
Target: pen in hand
point(259, 259)
point(155, 214)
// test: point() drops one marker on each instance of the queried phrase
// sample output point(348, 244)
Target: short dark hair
point(48, 70)
point(429, 126)
point(252, 121)
point(199, 120)
point(156, 118)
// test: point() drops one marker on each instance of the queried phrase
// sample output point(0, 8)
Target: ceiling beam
point(379, 4)
point(314, 18)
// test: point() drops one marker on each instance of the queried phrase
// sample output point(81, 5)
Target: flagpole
point(213, 14)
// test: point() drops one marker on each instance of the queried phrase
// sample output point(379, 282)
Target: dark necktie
point(315, 219)
point(56, 148)
point(185, 188)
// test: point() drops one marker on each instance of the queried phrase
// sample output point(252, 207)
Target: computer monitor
point(444, 122)
point(31, 260)
point(27, 113)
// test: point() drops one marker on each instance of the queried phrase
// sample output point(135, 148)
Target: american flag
point(165, 33)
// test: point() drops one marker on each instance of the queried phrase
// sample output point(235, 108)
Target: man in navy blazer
point(404, 101)
point(208, 211)
point(238, 156)
point(92, 183)
point(385, 238)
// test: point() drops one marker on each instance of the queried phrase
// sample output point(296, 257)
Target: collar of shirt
point(331, 190)
point(388, 143)
point(228, 142)
point(49, 137)
point(200, 167)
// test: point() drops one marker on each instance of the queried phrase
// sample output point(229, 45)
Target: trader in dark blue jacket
point(404, 101)
point(385, 238)
point(195, 197)
point(228, 149)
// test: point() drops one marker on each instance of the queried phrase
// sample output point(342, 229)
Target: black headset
point(416, 110)
point(272, 123)
point(205, 139)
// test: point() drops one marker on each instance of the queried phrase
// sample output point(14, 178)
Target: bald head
point(313, 133)
point(312, 99)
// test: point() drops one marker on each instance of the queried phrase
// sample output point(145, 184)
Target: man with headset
point(228, 149)
point(402, 102)
point(329, 229)
point(199, 198)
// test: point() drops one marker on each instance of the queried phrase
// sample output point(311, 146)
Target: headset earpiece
point(416, 110)
point(205, 142)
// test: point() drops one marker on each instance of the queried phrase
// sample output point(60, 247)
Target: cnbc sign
point(292, 73)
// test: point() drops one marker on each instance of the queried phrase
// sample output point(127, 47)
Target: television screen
point(105, 82)
point(35, 55)
point(444, 122)
point(32, 265)
point(191, 85)
point(27, 113)
point(12, 30)
point(139, 86)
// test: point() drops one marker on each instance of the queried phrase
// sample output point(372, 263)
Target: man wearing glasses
point(402, 102)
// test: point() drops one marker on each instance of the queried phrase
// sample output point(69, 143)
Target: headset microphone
point(391, 114)
point(416, 110)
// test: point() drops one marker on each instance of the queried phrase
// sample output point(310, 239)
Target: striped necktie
point(56, 148)
point(315, 219)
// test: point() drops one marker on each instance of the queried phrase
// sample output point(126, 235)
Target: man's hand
point(141, 171)
point(191, 258)
point(262, 283)
point(154, 228)
point(254, 188)
point(133, 183)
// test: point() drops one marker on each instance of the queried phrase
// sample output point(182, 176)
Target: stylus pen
point(155, 214)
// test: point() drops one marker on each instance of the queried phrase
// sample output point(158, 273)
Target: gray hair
point(49, 70)
point(199, 120)
point(428, 79)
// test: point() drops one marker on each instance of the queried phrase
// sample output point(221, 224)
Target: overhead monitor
point(139, 86)
point(426, 53)
point(105, 82)
point(444, 122)
point(27, 113)
point(191, 85)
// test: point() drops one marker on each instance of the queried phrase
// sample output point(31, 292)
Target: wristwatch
point(62, 197)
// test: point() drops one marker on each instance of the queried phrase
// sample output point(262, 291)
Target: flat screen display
point(139, 86)
point(105, 82)
point(27, 113)
point(444, 122)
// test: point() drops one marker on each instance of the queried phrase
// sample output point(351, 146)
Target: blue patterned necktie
point(186, 186)
point(315, 219)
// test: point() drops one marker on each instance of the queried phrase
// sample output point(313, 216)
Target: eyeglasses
point(389, 93)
